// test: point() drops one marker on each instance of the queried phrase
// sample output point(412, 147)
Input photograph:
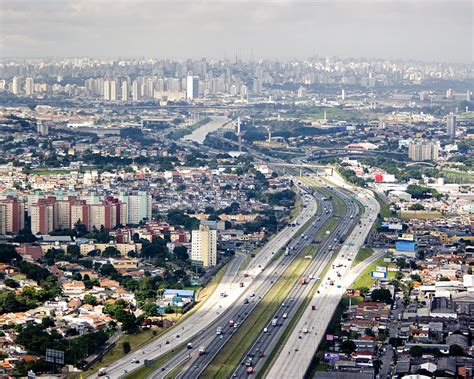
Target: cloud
point(420, 29)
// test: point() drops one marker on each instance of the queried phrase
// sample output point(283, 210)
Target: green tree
point(348, 347)
point(382, 295)
point(126, 347)
point(416, 351)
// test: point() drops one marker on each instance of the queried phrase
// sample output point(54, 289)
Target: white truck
point(219, 331)
point(275, 322)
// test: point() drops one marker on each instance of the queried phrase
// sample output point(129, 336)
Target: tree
point(381, 295)
point(90, 299)
point(8, 253)
point(416, 351)
point(416, 207)
point(126, 347)
point(348, 347)
point(110, 251)
point(74, 251)
point(456, 351)
point(181, 252)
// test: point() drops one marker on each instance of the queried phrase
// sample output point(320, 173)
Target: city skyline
point(266, 29)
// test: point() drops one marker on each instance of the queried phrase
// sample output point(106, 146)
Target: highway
point(211, 311)
point(240, 311)
point(267, 340)
point(297, 353)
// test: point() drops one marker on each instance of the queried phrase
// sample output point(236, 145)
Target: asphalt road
point(240, 311)
point(296, 354)
point(267, 341)
point(211, 311)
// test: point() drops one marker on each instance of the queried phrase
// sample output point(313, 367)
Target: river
point(199, 135)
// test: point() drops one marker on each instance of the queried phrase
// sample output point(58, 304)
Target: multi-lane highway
point(260, 285)
point(269, 337)
point(212, 309)
point(297, 353)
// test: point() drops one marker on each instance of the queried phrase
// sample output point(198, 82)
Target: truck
point(305, 330)
point(275, 322)
point(202, 350)
point(308, 257)
point(303, 280)
point(223, 294)
point(219, 331)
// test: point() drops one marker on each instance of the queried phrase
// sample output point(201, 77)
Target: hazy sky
point(440, 30)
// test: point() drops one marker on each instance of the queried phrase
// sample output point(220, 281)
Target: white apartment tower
point(204, 246)
point(106, 90)
point(125, 91)
point(29, 86)
point(113, 90)
point(16, 85)
point(192, 87)
point(135, 91)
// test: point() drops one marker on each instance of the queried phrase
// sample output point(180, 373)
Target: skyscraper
point(113, 90)
point(192, 87)
point(135, 91)
point(29, 86)
point(106, 90)
point(451, 125)
point(204, 246)
point(125, 91)
point(16, 85)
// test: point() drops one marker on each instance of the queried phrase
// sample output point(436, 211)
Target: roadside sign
point(381, 269)
point(378, 275)
point(352, 292)
point(55, 356)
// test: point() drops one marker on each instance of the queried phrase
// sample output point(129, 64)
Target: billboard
point(331, 357)
point(352, 292)
point(378, 275)
point(381, 269)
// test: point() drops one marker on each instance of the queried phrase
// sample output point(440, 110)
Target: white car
point(285, 315)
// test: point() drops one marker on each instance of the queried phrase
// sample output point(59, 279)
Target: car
point(177, 335)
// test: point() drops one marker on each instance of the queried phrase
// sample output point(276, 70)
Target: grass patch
point(365, 280)
point(362, 255)
point(232, 352)
point(144, 371)
point(422, 215)
point(184, 131)
point(385, 211)
point(296, 210)
point(48, 172)
point(116, 353)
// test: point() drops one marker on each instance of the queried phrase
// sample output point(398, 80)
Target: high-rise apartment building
point(204, 247)
point(42, 128)
point(16, 85)
point(125, 91)
point(451, 125)
point(29, 86)
point(423, 151)
point(113, 90)
point(106, 90)
point(192, 87)
point(138, 206)
point(12, 215)
point(42, 216)
point(135, 91)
